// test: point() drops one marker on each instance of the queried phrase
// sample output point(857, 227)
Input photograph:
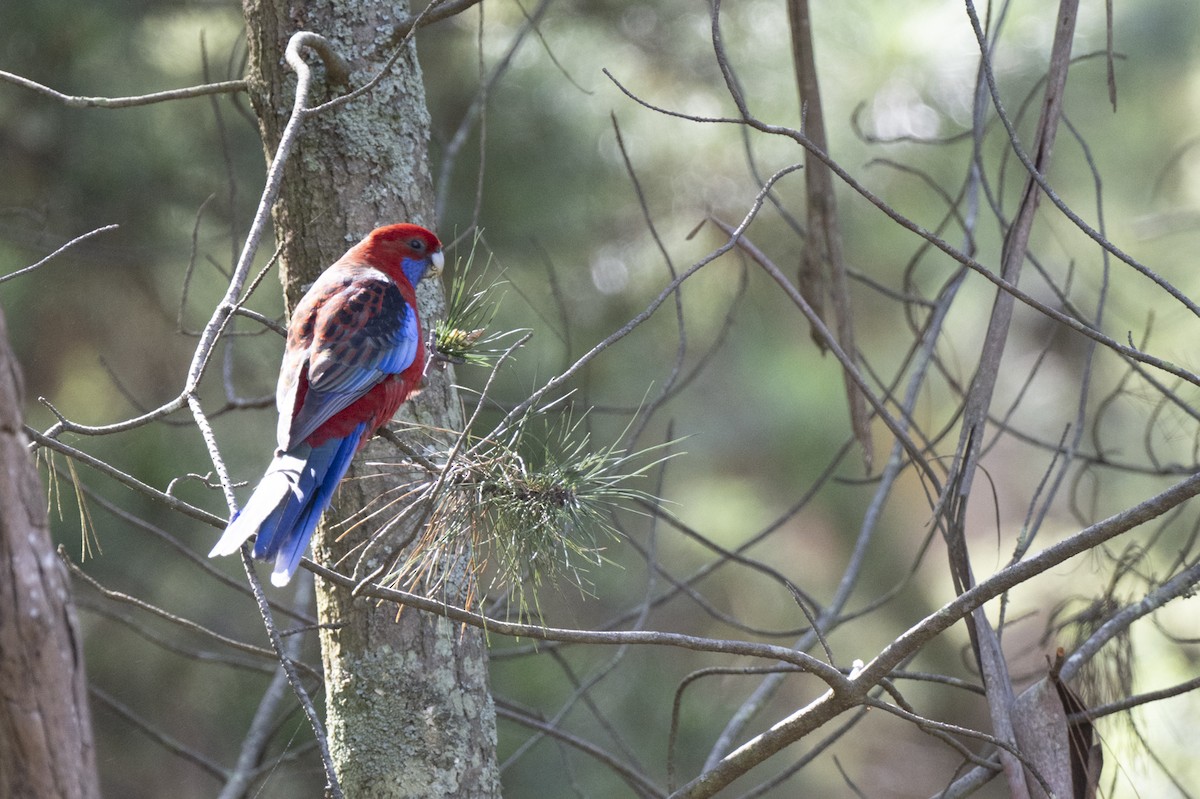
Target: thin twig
point(127, 479)
point(258, 736)
point(59, 251)
point(522, 407)
point(639, 782)
point(333, 788)
point(158, 736)
point(828, 674)
point(834, 703)
point(179, 621)
point(77, 101)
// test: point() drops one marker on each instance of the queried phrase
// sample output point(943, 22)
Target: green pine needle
point(528, 511)
point(462, 336)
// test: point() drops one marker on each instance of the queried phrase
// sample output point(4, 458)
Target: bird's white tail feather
point(281, 576)
point(280, 480)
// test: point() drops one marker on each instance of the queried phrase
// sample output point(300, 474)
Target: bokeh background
point(106, 331)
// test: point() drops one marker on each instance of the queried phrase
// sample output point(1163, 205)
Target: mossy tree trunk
point(407, 703)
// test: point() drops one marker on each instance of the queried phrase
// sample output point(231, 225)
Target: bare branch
point(637, 781)
point(158, 736)
point(179, 621)
point(258, 736)
point(834, 703)
point(73, 101)
point(807, 663)
point(59, 251)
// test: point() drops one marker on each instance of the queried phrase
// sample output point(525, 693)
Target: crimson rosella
point(354, 353)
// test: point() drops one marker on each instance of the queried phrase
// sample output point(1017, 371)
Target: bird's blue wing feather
point(363, 331)
point(290, 546)
point(288, 502)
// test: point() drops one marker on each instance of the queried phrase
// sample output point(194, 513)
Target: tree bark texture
point(46, 746)
point(408, 709)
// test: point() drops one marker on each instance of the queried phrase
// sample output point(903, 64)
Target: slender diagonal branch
point(75, 101)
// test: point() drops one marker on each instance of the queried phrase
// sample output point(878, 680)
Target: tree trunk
point(408, 710)
point(46, 744)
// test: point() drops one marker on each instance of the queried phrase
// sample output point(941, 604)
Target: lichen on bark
point(408, 711)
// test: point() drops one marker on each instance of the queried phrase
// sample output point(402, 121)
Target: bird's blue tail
point(288, 502)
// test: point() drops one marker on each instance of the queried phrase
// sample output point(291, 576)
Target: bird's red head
point(415, 249)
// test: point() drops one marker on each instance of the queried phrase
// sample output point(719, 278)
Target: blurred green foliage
point(97, 329)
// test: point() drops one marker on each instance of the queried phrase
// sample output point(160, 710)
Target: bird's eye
point(416, 244)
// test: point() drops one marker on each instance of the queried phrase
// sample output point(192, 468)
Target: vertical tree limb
point(408, 710)
point(1016, 242)
point(46, 746)
point(822, 253)
point(984, 638)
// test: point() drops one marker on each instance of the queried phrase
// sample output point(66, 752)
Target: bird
point(354, 353)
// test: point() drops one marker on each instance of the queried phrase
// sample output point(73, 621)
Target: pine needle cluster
point(506, 514)
point(533, 509)
point(472, 299)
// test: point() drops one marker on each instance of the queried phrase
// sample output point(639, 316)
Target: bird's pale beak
point(437, 261)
